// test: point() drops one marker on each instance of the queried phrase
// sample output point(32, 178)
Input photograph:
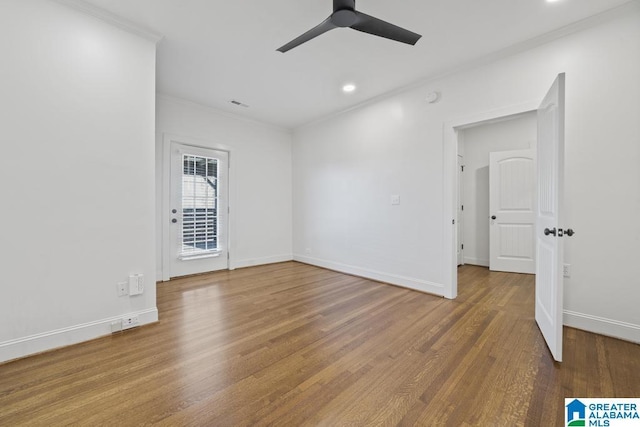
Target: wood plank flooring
point(294, 345)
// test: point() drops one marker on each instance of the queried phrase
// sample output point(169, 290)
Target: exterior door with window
point(198, 210)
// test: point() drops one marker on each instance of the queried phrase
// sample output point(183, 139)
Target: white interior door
point(512, 215)
point(549, 282)
point(198, 210)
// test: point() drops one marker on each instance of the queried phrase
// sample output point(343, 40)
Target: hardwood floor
point(291, 344)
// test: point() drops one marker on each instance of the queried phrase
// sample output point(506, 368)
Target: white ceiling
point(214, 51)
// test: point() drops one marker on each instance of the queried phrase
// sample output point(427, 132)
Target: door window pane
point(199, 205)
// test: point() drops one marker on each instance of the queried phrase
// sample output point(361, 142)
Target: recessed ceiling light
point(348, 88)
point(553, 1)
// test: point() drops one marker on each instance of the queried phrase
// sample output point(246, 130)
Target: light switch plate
point(123, 289)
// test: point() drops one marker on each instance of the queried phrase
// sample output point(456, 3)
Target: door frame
point(460, 211)
point(165, 216)
point(450, 182)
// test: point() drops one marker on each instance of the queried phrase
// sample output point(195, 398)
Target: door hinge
point(453, 221)
point(462, 168)
point(462, 246)
point(462, 207)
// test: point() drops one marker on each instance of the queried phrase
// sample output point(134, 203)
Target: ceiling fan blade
point(325, 26)
point(377, 27)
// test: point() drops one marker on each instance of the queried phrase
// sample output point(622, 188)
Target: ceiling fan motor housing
point(343, 4)
point(344, 18)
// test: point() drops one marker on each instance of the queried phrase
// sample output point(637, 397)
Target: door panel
point(511, 193)
point(198, 210)
point(549, 216)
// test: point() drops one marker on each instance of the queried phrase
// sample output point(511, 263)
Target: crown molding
point(628, 8)
point(113, 19)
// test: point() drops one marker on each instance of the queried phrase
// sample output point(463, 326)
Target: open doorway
point(549, 226)
point(482, 240)
point(450, 188)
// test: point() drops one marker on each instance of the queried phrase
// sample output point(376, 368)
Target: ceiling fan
point(345, 15)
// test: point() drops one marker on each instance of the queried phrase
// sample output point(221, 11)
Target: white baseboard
point(603, 326)
point(21, 347)
point(250, 262)
point(476, 261)
point(242, 263)
point(405, 282)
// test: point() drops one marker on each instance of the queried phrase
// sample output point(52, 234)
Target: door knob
point(174, 220)
point(552, 231)
point(493, 217)
point(569, 232)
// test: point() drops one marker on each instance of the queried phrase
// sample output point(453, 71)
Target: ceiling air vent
point(238, 103)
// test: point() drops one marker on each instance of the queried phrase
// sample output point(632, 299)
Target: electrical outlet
point(122, 289)
point(130, 322)
point(566, 271)
point(116, 326)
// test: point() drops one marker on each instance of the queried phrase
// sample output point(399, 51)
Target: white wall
point(346, 167)
point(260, 179)
point(345, 172)
point(477, 142)
point(76, 175)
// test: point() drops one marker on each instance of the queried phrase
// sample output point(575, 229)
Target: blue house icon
point(575, 407)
